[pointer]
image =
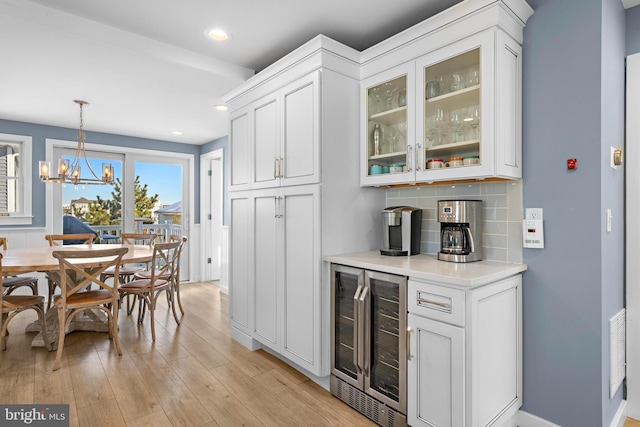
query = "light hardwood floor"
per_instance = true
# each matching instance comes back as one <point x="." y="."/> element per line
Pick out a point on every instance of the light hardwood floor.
<point x="194" y="375"/>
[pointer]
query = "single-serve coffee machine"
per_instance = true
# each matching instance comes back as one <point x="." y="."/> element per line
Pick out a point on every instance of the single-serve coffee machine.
<point x="460" y="230"/>
<point x="401" y="227"/>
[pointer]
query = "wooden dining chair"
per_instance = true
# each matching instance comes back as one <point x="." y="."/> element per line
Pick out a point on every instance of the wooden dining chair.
<point x="176" y="279"/>
<point x="147" y="289"/>
<point x="127" y="271"/>
<point x="76" y="239"/>
<point x="74" y="297"/>
<point x="10" y="283"/>
<point x="58" y="240"/>
<point x="15" y="304"/>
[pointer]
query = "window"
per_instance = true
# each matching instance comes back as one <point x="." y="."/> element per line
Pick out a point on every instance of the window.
<point x="15" y="179"/>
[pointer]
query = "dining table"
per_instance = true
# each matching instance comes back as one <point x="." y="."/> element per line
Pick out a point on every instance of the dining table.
<point x="40" y="259"/>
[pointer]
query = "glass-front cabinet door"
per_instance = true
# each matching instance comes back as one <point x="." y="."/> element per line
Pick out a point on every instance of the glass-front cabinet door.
<point x="346" y="285"/>
<point x="386" y="361"/>
<point x="455" y="111"/>
<point x="388" y="130"/>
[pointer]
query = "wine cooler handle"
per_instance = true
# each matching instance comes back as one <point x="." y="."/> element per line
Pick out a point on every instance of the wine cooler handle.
<point x="409" y="330"/>
<point x="356" y="327"/>
<point x="363" y="353"/>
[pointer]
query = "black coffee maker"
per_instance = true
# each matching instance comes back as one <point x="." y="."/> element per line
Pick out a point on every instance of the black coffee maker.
<point x="401" y="227"/>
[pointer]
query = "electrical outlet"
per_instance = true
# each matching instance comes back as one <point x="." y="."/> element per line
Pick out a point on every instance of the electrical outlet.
<point x="534" y="213"/>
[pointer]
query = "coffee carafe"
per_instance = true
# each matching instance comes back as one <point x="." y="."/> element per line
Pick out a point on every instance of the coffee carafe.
<point x="460" y="230"/>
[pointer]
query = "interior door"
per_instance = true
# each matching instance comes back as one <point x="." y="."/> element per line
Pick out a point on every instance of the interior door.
<point x="213" y="229"/>
<point x="632" y="235"/>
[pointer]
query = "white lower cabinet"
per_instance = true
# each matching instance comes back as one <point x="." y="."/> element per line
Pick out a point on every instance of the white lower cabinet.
<point x="465" y="354"/>
<point x="286" y="272"/>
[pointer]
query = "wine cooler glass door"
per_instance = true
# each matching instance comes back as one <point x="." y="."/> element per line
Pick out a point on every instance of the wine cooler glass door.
<point x="385" y="370"/>
<point x="346" y="285"/>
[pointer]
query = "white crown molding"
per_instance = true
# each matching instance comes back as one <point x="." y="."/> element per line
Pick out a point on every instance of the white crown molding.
<point x="630" y="3"/>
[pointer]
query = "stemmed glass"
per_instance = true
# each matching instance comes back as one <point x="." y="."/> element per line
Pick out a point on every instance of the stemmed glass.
<point x="374" y="93"/>
<point x="473" y="76"/>
<point x="389" y="91"/>
<point x="473" y="119"/>
<point x="457" y="121"/>
<point x="440" y="125"/>
<point x="431" y="130"/>
<point x="402" y="137"/>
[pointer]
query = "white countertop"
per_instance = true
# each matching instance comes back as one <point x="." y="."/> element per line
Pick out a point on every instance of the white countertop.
<point x="429" y="268"/>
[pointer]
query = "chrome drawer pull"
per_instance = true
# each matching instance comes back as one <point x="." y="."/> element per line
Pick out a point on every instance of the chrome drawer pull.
<point x="438" y="303"/>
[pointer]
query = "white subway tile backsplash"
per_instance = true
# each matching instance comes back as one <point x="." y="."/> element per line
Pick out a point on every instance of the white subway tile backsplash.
<point x="502" y="214"/>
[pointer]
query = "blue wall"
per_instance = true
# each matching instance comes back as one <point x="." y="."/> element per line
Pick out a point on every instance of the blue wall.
<point x="633" y="30"/>
<point x="573" y="94"/>
<point x="39" y="133"/>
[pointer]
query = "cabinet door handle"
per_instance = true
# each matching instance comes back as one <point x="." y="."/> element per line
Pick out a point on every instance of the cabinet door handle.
<point x="275" y="167"/>
<point x="280" y="168"/>
<point x="418" y="162"/>
<point x="277" y="203"/>
<point x="409" y="158"/>
<point x="363" y="356"/>
<point x="409" y="330"/>
<point x="356" y="328"/>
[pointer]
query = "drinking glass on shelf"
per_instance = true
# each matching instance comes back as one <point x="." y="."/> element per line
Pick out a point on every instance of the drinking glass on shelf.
<point x="456" y="81"/>
<point x="443" y="83"/>
<point x="374" y="94"/>
<point x="456" y="121"/>
<point x="473" y="119"/>
<point x="389" y="92"/>
<point x="440" y="126"/>
<point x="402" y="137"/>
<point x="431" y="131"/>
<point x="472" y="76"/>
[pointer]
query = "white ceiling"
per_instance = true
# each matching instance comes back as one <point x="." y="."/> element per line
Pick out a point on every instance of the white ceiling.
<point x="146" y="67"/>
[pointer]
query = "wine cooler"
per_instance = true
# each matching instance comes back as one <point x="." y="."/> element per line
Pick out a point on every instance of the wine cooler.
<point x="368" y="343"/>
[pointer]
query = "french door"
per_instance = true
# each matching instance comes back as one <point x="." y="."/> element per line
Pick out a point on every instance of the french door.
<point x="151" y="193"/>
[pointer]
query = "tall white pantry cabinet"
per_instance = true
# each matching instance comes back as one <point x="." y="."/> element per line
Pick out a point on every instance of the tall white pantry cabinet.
<point x="295" y="196"/>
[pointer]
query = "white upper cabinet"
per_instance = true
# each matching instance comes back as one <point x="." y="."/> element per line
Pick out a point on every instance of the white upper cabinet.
<point x="275" y="141"/>
<point x="240" y="150"/>
<point x="450" y="107"/>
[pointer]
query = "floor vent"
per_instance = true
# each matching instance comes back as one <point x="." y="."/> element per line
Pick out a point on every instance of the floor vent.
<point x="618" y="351"/>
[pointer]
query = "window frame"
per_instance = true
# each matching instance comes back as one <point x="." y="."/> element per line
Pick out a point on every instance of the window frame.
<point x="24" y="216"/>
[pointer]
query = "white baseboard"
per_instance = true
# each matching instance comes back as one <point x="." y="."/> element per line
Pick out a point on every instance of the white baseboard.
<point x="224" y="267"/>
<point x="245" y="339"/>
<point x="620" y="416"/>
<point x="525" y="419"/>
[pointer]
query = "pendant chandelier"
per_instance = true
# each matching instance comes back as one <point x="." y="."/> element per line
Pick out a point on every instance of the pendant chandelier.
<point x="69" y="171"/>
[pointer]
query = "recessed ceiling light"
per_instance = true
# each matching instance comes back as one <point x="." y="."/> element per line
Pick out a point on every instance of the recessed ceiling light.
<point x="221" y="107"/>
<point x="176" y="132"/>
<point x="217" y="34"/>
